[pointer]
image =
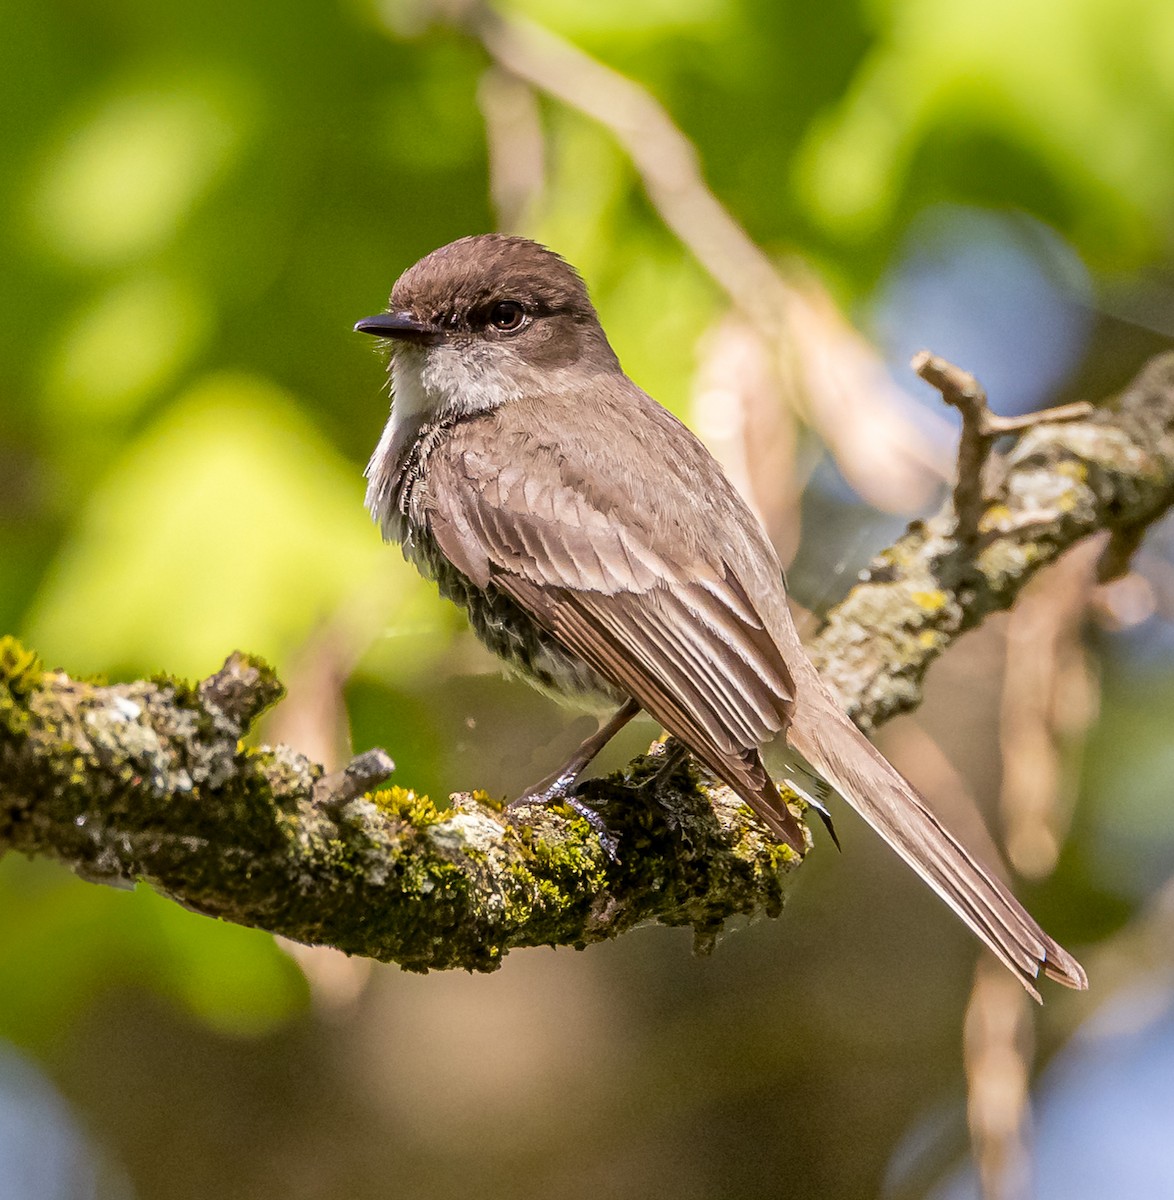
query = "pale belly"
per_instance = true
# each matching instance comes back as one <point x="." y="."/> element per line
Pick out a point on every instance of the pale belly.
<point x="505" y="628"/>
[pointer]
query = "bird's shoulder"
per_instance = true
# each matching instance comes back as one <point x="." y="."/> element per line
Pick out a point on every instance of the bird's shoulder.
<point x="617" y="532"/>
<point x="605" y="487"/>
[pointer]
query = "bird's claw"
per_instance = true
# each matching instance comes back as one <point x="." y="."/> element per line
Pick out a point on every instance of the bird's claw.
<point x="558" y="791"/>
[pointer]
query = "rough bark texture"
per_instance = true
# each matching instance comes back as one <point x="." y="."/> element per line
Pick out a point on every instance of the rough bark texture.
<point x="148" y="781"/>
<point x="1058" y="484"/>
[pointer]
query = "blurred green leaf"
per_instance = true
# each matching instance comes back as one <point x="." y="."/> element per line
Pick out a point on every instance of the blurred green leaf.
<point x="126" y="344"/>
<point x="1083" y="86"/>
<point x="227" y="524"/>
<point x="128" y="171"/>
<point x="63" y="943"/>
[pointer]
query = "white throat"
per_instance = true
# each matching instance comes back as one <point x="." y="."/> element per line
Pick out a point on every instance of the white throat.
<point x="428" y="384"/>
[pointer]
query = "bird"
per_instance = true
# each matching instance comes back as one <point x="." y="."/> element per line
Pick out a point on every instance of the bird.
<point x="600" y="551"/>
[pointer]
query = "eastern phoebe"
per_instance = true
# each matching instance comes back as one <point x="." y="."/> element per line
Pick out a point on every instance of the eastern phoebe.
<point x="598" y="548"/>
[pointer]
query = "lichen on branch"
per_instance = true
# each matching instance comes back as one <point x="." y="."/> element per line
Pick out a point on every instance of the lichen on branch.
<point x="1110" y="473"/>
<point x="150" y="781"/>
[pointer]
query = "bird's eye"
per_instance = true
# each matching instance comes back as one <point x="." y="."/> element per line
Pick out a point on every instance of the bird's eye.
<point x="507" y="316"/>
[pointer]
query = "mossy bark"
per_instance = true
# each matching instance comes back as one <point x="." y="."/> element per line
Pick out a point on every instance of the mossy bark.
<point x="150" y="781"/>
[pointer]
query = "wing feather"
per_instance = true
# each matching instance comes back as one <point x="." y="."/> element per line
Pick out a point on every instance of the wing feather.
<point x="684" y="630"/>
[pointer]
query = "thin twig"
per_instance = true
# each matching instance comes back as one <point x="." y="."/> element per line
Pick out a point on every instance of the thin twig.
<point x="981" y="428"/>
<point x="828" y="372"/>
<point x="665" y="158"/>
<point x="1118" y="553"/>
<point x="362" y="774"/>
<point x="515" y="145"/>
<point x="1048" y="701"/>
<point x="998" y="1041"/>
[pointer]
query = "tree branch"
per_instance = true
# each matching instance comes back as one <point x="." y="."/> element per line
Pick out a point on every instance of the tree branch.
<point x="148" y="781"/>
<point x="981" y="428"/>
<point x="1112" y="471"/>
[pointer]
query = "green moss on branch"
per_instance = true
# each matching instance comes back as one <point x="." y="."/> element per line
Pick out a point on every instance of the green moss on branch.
<point x="148" y="781"/>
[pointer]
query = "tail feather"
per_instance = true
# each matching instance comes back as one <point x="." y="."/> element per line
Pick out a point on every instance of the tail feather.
<point x="824" y="735"/>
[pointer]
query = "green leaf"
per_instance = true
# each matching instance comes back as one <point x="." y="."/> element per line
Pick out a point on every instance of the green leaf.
<point x="228" y="524"/>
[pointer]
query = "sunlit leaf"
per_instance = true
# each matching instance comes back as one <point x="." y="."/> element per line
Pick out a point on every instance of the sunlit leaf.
<point x="131" y="169"/>
<point x="228" y="524"/>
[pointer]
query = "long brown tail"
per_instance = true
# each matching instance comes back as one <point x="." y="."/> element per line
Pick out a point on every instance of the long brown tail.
<point x="824" y="735"/>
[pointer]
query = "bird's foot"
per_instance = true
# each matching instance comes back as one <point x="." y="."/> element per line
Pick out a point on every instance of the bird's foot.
<point x="671" y="754"/>
<point x="557" y="789"/>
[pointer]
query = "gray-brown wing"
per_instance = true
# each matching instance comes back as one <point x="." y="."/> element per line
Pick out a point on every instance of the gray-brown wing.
<point x="612" y="636"/>
<point x="682" y="637"/>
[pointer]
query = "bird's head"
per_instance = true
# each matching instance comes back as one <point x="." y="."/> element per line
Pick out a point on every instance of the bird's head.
<point x="485" y="320"/>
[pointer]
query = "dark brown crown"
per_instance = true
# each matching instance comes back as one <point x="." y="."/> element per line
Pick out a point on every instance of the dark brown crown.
<point x="474" y="271"/>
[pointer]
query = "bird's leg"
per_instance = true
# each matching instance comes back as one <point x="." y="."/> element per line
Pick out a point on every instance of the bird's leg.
<point x="554" y="787"/>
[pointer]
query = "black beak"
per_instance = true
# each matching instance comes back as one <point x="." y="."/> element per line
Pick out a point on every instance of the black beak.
<point x="399" y="325"/>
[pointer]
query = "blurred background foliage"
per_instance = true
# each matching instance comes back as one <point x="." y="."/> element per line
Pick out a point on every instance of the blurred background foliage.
<point x="199" y="201"/>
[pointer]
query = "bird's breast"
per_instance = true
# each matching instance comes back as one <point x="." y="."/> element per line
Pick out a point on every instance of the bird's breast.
<point x="497" y="620"/>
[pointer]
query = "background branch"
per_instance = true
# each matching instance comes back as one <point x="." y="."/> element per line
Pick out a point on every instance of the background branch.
<point x="148" y="780"/>
<point x="1059" y="483"/>
<point x="828" y="373"/>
